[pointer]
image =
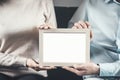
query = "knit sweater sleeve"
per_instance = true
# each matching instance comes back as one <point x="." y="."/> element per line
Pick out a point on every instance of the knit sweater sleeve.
<point x="10" y="60"/>
<point x="49" y="13"/>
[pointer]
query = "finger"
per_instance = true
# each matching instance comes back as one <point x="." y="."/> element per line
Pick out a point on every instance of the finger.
<point x="91" y="35"/>
<point x="36" y="61"/>
<point x="78" y="26"/>
<point x="36" y="68"/>
<point x="74" y="27"/>
<point x="79" y="67"/>
<point x="35" y="65"/>
<point x="52" y="67"/>
<point x="41" y="27"/>
<point x="83" y="24"/>
<point x="78" y="72"/>
<point x="45" y="27"/>
<point x="81" y="72"/>
<point x="46" y="68"/>
<point x="88" y="24"/>
<point x="49" y="26"/>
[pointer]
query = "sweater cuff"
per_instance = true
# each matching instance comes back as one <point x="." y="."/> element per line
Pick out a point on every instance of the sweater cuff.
<point x="22" y="61"/>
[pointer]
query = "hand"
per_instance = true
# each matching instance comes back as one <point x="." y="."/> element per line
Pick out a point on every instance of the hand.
<point x="84" y="69"/>
<point x="45" y="26"/>
<point x="41" y="27"/>
<point x="33" y="64"/>
<point x="82" y="25"/>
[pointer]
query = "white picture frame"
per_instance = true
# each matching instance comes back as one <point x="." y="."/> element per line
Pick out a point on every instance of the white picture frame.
<point x="64" y="47"/>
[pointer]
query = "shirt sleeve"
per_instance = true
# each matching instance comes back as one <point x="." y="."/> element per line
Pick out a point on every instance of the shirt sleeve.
<point x="50" y="13"/>
<point x="12" y="60"/>
<point x="110" y="69"/>
<point x="80" y="14"/>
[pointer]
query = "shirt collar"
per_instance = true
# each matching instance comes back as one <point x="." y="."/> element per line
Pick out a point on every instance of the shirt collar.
<point x="116" y="2"/>
<point x="107" y="1"/>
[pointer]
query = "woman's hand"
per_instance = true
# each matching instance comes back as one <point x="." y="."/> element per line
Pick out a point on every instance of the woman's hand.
<point x="82" y="25"/>
<point x="45" y="26"/>
<point x="33" y="64"/>
<point x="84" y="69"/>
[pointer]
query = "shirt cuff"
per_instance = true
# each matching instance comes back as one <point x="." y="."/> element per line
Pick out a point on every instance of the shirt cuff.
<point x="106" y="69"/>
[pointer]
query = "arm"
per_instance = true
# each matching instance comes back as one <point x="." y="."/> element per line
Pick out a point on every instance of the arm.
<point x="104" y="69"/>
<point x="10" y="60"/>
<point x="80" y="14"/>
<point x="110" y="69"/>
<point x="50" y="14"/>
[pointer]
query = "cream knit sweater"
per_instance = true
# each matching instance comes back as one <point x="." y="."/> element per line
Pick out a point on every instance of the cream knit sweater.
<point x="18" y="34"/>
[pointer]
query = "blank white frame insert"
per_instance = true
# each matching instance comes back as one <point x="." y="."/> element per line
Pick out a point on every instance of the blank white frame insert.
<point x="64" y="47"/>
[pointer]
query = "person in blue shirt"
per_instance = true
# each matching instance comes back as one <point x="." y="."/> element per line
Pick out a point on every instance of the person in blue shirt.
<point x="104" y="21"/>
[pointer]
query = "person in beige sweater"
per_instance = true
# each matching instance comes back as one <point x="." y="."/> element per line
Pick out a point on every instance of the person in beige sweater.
<point x="20" y="21"/>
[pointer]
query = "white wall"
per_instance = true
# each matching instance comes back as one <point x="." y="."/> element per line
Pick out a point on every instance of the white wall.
<point x="67" y="3"/>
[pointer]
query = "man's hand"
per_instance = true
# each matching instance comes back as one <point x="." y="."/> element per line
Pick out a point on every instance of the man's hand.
<point x="82" y="25"/>
<point x="84" y="69"/>
<point x="33" y="64"/>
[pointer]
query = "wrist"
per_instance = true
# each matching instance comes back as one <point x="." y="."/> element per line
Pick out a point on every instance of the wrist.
<point x="98" y="69"/>
<point x="28" y="62"/>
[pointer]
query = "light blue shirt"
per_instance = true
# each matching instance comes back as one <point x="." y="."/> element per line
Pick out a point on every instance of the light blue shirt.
<point x="104" y="17"/>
